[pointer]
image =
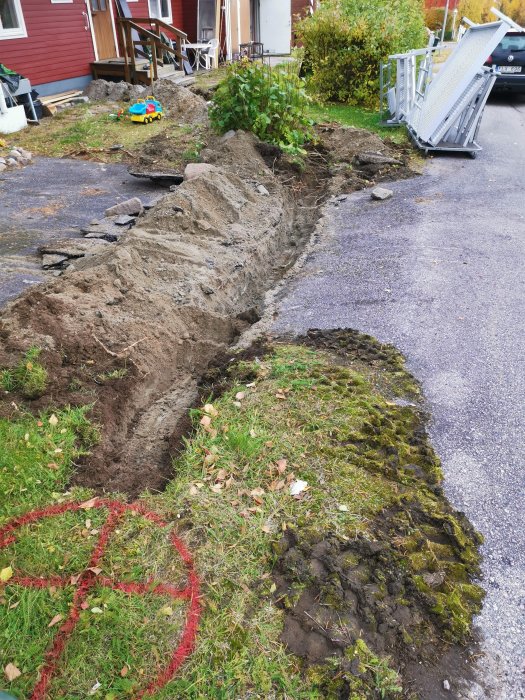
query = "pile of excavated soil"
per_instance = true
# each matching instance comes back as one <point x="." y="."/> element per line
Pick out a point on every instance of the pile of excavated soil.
<point x="179" y="103"/>
<point x="159" y="304"/>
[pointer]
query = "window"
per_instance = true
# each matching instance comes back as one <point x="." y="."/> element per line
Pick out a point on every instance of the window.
<point x="12" y="24"/>
<point x="161" y="9"/>
<point x="98" y="6"/>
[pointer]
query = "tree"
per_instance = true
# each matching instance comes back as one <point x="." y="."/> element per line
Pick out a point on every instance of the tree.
<point x="515" y="9"/>
<point x="477" y="10"/>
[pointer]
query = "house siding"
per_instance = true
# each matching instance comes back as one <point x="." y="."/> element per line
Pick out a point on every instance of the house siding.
<point x="188" y="13"/>
<point x="57" y="46"/>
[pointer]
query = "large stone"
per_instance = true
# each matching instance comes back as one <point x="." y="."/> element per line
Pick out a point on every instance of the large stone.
<point x="370" y="158"/>
<point x="381" y="193"/>
<point x="194" y="170"/>
<point x="131" y="207"/>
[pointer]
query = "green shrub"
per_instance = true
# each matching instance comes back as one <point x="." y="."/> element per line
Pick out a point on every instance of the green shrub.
<point x="29" y="377"/>
<point x="346" y="40"/>
<point x="271" y="103"/>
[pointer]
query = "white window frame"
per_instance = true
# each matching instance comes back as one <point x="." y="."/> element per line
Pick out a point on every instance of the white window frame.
<point x="19" y="32"/>
<point x="61" y="2"/>
<point x="169" y="18"/>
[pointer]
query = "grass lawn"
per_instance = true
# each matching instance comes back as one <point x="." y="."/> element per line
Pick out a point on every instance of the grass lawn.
<point x="295" y="420"/>
<point x="88" y="131"/>
<point x="359" y="117"/>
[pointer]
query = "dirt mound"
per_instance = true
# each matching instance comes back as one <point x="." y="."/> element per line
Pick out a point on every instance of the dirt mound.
<point x="180" y="103"/>
<point x="157" y="305"/>
<point x="105" y="90"/>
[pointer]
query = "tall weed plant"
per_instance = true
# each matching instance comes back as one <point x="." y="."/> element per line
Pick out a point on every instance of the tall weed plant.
<point x="270" y="102"/>
<point x="346" y="40"/>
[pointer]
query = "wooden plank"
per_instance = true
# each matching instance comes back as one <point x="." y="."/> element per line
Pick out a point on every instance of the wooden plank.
<point x="60" y="97"/>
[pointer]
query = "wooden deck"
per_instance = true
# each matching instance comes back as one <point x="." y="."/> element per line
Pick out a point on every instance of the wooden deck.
<point x="114" y="69"/>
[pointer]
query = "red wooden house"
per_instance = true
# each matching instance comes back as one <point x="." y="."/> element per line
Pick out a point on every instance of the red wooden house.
<point x="53" y="42"/>
<point x="60" y="44"/>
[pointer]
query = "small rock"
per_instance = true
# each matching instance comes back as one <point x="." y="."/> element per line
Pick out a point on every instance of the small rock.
<point x="131" y="207"/>
<point x="446" y="685"/>
<point x="227" y="136"/>
<point x="207" y="290"/>
<point x="2" y="161"/>
<point x="25" y="154"/>
<point x="12" y="163"/>
<point x="3" y="167"/>
<point x="57" y="273"/>
<point x="341" y="198"/>
<point x="116" y="147"/>
<point x="261" y="189"/>
<point x="14" y="153"/>
<point x="370" y="158"/>
<point x="124" y="220"/>
<point x="381" y="193"/>
<point x="194" y="170"/>
<point x="203" y="225"/>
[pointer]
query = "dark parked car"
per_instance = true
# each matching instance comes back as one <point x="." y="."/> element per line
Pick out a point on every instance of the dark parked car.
<point x="509" y="57"/>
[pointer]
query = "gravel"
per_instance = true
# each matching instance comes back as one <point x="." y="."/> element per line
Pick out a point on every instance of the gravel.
<point x="438" y="270"/>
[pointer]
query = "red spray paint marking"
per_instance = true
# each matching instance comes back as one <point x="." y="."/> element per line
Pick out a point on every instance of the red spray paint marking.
<point x="88" y="579"/>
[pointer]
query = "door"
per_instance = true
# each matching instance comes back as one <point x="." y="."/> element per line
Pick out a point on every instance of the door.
<point x="275" y="25"/>
<point x="102" y="19"/>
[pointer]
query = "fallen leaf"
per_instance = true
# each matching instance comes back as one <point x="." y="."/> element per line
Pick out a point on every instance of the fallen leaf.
<point x="63" y="431"/>
<point x="254" y="493"/>
<point x="56" y="619"/>
<point x="6" y="574"/>
<point x="281" y="465"/>
<point x="29" y="366"/>
<point x="53" y="420"/>
<point x="221" y="475"/>
<point x="88" y="523"/>
<point x="277" y="485"/>
<point x="211" y="410"/>
<point x="210" y="459"/>
<point x="250" y="385"/>
<point x="12" y="672"/>
<point x="253" y="433"/>
<point x="268" y="444"/>
<point x="237" y="404"/>
<point x="84" y="605"/>
<point x="74" y="579"/>
<point x="297" y="487"/>
<point x="26" y="437"/>
<point x="267" y="529"/>
<point x="280" y="395"/>
<point x="273" y="588"/>
<point x="89" y="504"/>
<point x="240" y="395"/>
<point x="166" y="610"/>
<point x="52" y="465"/>
<point x="193" y="490"/>
<point x="58" y="450"/>
<point x="95" y="569"/>
<point x="14" y="605"/>
<point x="343" y="508"/>
<point x="97" y="611"/>
<point x="205" y="421"/>
<point x="124" y="671"/>
<point x="39" y="423"/>
<point x="216" y="488"/>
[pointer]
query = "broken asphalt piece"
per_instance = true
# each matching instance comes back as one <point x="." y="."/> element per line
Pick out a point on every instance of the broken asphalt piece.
<point x="124" y="220"/>
<point x="72" y="247"/>
<point x="131" y="207"/>
<point x="194" y="170"/>
<point x="49" y="261"/>
<point x="381" y="193"/>
<point x="160" y="177"/>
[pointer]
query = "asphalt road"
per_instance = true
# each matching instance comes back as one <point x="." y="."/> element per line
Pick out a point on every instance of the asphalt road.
<point x="52" y="198"/>
<point x="439" y="271"/>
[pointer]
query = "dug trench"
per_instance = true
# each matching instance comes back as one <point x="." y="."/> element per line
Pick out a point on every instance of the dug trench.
<point x="131" y="330"/>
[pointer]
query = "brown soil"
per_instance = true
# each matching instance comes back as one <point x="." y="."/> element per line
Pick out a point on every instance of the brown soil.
<point x="168" y="297"/>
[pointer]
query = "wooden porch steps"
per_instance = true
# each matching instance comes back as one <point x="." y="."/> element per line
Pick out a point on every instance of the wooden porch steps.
<point x="114" y="69"/>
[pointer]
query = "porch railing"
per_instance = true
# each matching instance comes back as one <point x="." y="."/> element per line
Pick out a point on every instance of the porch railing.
<point x="149" y="43"/>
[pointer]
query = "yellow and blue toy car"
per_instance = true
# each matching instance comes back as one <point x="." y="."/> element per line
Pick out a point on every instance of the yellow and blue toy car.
<point x="145" y="111"/>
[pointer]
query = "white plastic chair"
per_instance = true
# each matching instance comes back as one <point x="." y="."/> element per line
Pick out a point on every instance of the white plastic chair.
<point x="210" y="57"/>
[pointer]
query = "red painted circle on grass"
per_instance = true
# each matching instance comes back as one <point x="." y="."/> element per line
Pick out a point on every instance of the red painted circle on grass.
<point x="87" y="579"/>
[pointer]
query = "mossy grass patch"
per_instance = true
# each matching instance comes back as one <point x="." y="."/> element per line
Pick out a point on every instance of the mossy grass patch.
<point x="310" y="498"/>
